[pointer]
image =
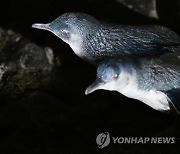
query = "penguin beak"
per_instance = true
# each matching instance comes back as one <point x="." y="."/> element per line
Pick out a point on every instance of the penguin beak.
<point x="94" y="86"/>
<point x="41" y="26"/>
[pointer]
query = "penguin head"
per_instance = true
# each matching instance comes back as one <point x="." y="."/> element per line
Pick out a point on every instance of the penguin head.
<point x="111" y="75"/>
<point x="70" y="27"/>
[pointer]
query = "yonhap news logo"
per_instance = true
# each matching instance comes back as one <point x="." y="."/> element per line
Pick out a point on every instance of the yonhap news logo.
<point x="104" y="139"/>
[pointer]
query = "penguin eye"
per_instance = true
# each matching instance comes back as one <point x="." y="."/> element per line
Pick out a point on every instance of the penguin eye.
<point x="64" y="31"/>
<point x="116" y="76"/>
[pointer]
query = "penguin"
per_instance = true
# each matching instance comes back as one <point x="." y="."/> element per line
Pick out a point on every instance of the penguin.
<point x="94" y="40"/>
<point x="153" y="81"/>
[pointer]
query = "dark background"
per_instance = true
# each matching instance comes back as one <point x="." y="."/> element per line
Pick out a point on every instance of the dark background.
<point x="58" y="117"/>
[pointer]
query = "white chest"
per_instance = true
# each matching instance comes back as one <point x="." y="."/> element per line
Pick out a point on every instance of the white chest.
<point x="76" y="45"/>
<point x="153" y="98"/>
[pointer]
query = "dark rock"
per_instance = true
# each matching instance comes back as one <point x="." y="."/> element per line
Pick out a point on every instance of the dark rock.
<point x="41" y="123"/>
<point x="22" y="64"/>
<point x="145" y="7"/>
<point x="17" y="53"/>
<point x="36" y="120"/>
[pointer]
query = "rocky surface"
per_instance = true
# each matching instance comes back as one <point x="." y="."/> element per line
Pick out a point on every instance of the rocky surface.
<point x="18" y="53"/>
<point x="43" y="108"/>
<point x="22" y="64"/>
<point x="146" y="7"/>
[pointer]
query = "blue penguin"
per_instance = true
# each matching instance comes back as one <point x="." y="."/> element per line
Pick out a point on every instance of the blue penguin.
<point x="94" y="40"/>
<point x="153" y="81"/>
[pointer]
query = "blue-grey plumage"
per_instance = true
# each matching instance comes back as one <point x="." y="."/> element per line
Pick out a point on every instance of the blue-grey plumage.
<point x="149" y="80"/>
<point x="94" y="40"/>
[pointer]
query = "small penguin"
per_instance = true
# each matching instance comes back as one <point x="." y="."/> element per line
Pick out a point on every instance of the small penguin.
<point x="153" y="81"/>
<point x="93" y="40"/>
